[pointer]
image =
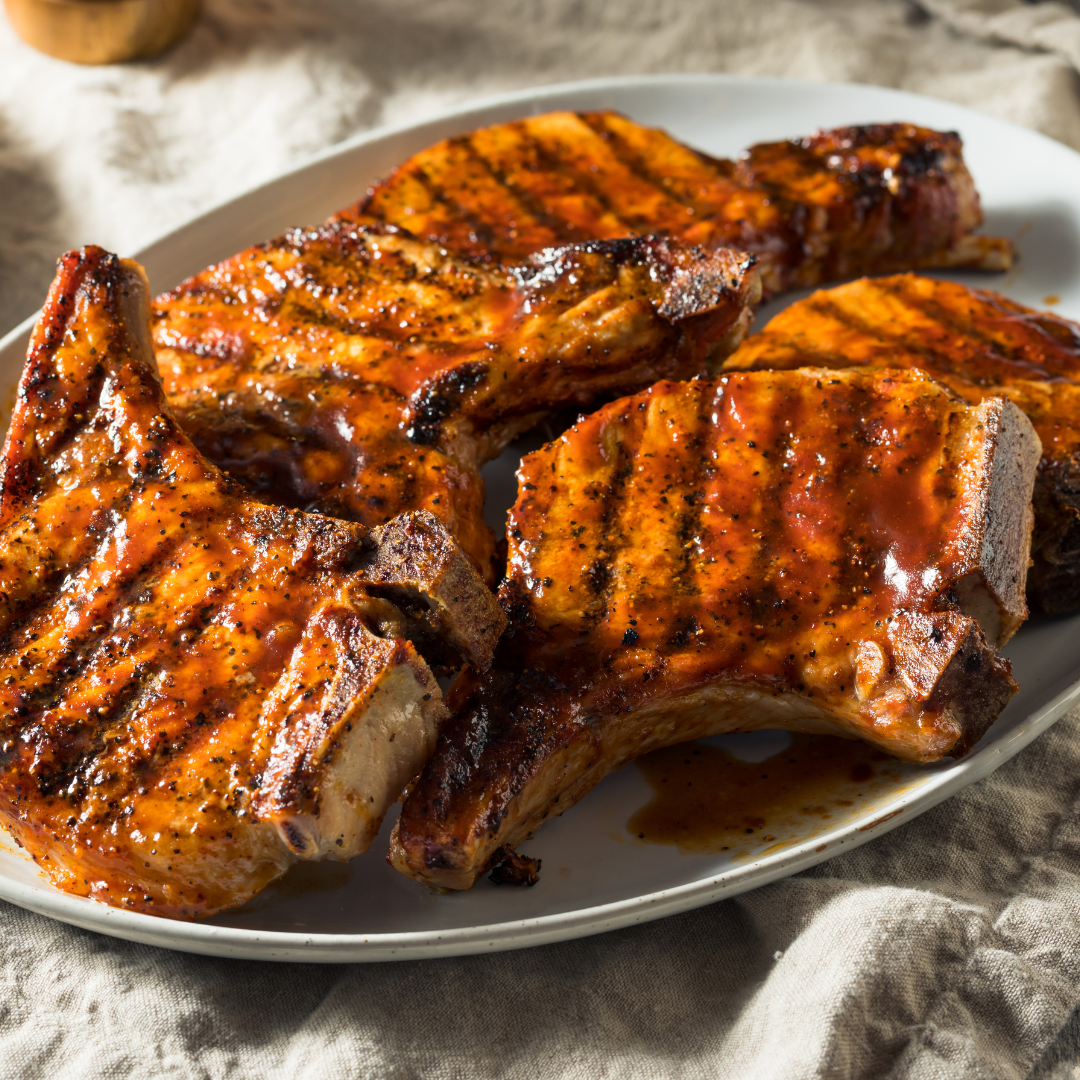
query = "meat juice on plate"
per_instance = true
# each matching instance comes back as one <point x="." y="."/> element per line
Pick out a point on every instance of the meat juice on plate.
<point x="706" y="800"/>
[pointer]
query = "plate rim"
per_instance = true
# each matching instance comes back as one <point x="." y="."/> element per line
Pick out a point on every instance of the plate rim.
<point x="235" y="942"/>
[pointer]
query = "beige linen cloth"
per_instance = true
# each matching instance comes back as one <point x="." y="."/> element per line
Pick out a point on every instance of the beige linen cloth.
<point x="948" y="948"/>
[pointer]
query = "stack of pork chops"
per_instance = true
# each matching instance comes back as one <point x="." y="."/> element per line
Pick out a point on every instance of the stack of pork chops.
<point x="242" y="525"/>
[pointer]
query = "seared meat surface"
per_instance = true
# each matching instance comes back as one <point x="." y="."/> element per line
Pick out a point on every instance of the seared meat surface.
<point x="356" y="371"/>
<point x="872" y="199"/>
<point x="195" y="689"/>
<point x="360" y="372"/>
<point x="823" y="551"/>
<point x="979" y="343"/>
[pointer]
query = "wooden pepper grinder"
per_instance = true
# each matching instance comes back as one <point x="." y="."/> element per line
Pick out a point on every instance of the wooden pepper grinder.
<point x="101" y="31"/>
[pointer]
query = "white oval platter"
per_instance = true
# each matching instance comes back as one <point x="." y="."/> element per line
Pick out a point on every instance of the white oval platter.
<point x="596" y="876"/>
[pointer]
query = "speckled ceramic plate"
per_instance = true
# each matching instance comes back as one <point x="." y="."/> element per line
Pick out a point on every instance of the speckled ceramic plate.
<point x="598" y="875"/>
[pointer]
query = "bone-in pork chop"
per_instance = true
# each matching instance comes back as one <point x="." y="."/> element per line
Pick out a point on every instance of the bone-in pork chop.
<point x="195" y="689"/>
<point x="360" y="372"/>
<point x="857" y="200"/>
<point x="822" y="551"/>
<point x="980" y="344"/>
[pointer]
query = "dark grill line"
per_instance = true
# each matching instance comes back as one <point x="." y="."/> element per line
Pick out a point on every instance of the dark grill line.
<point x="875" y="331"/>
<point x="690" y="520"/>
<point x="83" y="760"/>
<point x="530" y="202"/>
<point x="319" y="316"/>
<point x="507" y="195"/>
<point x="611" y="514"/>
<point x="124" y="593"/>
<point x="630" y="160"/>
<point x="811" y="354"/>
<point x="73" y="427"/>
<point x="584" y="183"/>
<point x="944" y="317"/>
<point x="458" y="212"/>
<point x="49" y="590"/>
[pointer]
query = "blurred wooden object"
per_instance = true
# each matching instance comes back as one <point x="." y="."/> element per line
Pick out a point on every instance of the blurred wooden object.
<point x="101" y="31"/>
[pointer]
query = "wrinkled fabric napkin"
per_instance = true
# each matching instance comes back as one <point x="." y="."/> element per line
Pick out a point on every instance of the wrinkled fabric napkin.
<point x="948" y="948"/>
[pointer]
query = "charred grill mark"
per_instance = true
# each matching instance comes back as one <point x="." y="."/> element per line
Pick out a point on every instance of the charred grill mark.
<point x="905" y="340"/>
<point x="378" y="332"/>
<point x="604" y="582"/>
<point x="687" y="628"/>
<point x="518" y="207"/>
<point x="762" y="605"/>
<point x="631" y="161"/>
<point x="549" y="160"/>
<point x="480" y="232"/>
<point x="81" y="747"/>
<point x="316" y="292"/>
<point x="439" y="399"/>
<point x="631" y="208"/>
<point x="51" y="587"/>
<point x="690" y="517"/>
<point x="827" y="307"/>
<point x="19" y="484"/>
<point x="689" y="475"/>
<point x="26" y="610"/>
<point x="565" y="231"/>
<point x="964" y="329"/>
<point x="69" y="667"/>
<point x="598" y="576"/>
<point x="918" y="158"/>
<point x="803" y="350"/>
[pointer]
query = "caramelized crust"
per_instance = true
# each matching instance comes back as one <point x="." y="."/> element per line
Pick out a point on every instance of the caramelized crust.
<point x="871" y="199"/>
<point x="815" y="550"/>
<point x="360" y="372"/>
<point x="980" y="344"/>
<point x="195" y="688"/>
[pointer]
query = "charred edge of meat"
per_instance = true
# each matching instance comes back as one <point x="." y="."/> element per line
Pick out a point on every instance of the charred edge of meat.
<point x="975" y="688"/>
<point x="509" y="867"/>
<point x="413" y="561"/>
<point x="695" y="280"/>
<point x="502" y="727"/>
<point x="919" y="158"/>
<point x="39" y="385"/>
<point x="946" y="661"/>
<point x="1053" y="581"/>
<point x="440" y="399"/>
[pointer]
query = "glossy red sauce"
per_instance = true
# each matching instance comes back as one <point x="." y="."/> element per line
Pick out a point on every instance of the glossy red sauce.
<point x="787" y="518"/>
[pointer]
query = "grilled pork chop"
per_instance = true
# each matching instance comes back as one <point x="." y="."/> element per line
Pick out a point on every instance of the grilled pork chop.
<point x="822" y="551"/>
<point x="872" y="199"/>
<point x="195" y="689"/>
<point x="360" y="372"/>
<point x="979" y="343"/>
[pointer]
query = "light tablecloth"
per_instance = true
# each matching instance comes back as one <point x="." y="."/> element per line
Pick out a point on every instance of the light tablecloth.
<point x="948" y="948"/>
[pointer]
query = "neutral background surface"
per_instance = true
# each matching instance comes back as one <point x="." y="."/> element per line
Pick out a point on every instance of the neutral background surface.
<point x="948" y="948"/>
